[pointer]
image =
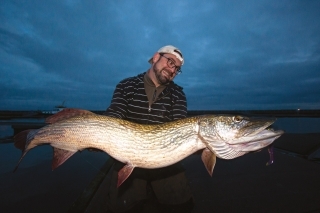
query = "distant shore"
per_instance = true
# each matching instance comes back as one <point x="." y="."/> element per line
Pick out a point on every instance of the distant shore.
<point x="273" y="113"/>
<point x="9" y="114"/>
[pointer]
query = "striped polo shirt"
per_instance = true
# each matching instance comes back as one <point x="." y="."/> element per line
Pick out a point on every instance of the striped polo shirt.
<point x="130" y="102"/>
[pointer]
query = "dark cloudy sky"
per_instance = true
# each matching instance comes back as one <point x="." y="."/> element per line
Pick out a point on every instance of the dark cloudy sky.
<point x="245" y="54"/>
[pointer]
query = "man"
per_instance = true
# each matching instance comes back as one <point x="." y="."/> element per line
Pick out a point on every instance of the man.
<point x="151" y="98"/>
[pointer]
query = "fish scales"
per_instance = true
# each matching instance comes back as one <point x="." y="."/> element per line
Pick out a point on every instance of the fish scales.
<point x="124" y="140"/>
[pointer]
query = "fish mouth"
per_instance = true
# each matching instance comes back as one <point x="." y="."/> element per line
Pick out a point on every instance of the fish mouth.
<point x="254" y="126"/>
<point x="256" y="142"/>
<point x="256" y="131"/>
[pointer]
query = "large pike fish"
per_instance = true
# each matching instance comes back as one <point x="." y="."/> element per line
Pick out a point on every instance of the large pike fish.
<point x="149" y="146"/>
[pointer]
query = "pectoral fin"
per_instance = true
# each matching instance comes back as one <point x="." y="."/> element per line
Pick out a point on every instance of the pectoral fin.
<point x="209" y="160"/>
<point x="60" y="156"/>
<point x="124" y="173"/>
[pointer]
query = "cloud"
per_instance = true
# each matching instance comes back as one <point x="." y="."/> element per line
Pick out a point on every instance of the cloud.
<point x="238" y="54"/>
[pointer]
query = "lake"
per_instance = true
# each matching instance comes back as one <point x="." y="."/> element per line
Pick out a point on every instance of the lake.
<point x="289" y="185"/>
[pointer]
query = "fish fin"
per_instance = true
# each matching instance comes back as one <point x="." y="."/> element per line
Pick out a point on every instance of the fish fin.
<point x="21" y="142"/>
<point x="20" y="139"/>
<point x="209" y="159"/>
<point x="60" y="156"/>
<point x="66" y="113"/>
<point x="23" y="154"/>
<point x="124" y="173"/>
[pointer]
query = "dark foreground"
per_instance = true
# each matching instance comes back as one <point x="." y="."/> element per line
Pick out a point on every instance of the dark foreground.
<point x="245" y="184"/>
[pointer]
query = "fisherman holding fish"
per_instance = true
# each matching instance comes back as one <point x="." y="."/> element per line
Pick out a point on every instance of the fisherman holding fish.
<point x="151" y="98"/>
<point x="147" y="128"/>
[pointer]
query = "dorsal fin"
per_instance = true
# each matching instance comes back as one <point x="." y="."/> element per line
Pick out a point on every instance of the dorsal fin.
<point x="60" y="156"/>
<point x="67" y="113"/>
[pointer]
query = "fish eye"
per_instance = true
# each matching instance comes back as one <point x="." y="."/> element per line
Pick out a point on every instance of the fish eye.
<point x="237" y="118"/>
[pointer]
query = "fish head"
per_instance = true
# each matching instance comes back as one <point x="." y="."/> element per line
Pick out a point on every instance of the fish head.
<point x="233" y="127"/>
<point x="236" y="132"/>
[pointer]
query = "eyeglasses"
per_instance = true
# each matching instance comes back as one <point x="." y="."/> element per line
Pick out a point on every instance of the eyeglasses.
<point x="171" y="64"/>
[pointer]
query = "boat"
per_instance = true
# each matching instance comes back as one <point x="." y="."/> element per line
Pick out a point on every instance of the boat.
<point x="56" y="109"/>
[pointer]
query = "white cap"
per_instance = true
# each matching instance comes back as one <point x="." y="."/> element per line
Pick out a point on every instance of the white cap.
<point x="172" y="50"/>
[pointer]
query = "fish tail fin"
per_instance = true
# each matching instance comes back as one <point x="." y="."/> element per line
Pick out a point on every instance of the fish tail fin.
<point x="22" y="141"/>
<point x="21" y="138"/>
<point x="23" y="154"/>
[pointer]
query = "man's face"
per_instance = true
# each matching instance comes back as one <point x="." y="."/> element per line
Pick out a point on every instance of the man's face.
<point x="165" y="68"/>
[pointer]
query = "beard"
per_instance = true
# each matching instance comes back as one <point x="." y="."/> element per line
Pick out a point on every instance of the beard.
<point x="162" y="78"/>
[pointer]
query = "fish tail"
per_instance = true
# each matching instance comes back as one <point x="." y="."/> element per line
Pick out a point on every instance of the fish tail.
<point x="22" y="140"/>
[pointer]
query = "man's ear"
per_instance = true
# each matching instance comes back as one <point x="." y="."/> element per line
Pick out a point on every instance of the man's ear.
<point x="155" y="57"/>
